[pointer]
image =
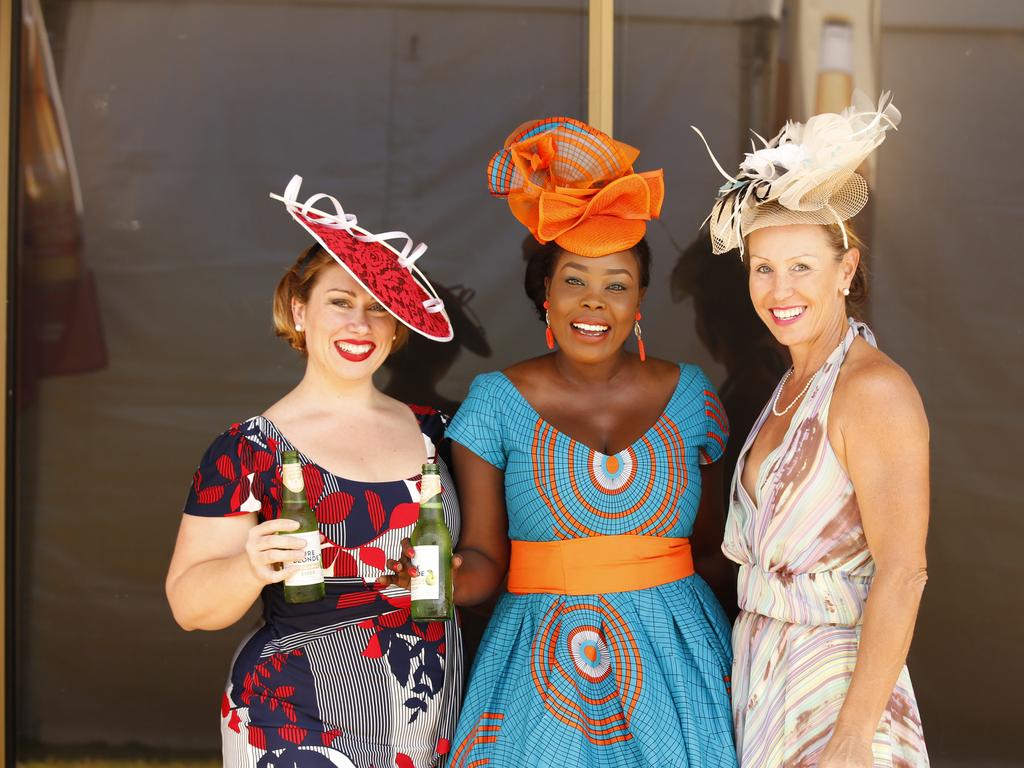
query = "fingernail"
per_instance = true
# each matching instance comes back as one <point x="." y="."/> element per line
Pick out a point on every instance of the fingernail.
<point x="410" y="552"/>
<point x="414" y="572"/>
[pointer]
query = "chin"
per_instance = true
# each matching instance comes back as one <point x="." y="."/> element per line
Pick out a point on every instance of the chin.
<point x="591" y="353"/>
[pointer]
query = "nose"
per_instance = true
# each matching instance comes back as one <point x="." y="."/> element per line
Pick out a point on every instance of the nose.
<point x="358" y="321"/>
<point x="781" y="285"/>
<point x="592" y="300"/>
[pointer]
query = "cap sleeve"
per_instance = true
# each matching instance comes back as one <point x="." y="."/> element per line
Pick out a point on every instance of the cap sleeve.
<point x="716" y="421"/>
<point x="433" y="424"/>
<point x="478" y="424"/>
<point x="235" y="476"/>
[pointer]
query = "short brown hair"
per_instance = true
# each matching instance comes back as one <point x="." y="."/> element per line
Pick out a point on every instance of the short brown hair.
<point x="297" y="284"/>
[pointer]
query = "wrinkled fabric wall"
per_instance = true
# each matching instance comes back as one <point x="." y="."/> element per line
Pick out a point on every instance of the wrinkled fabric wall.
<point x="185" y="115"/>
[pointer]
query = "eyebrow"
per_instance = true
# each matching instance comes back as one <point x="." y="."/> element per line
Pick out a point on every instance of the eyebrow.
<point x="581" y="268"/>
<point x="341" y="290"/>
<point x="788" y="258"/>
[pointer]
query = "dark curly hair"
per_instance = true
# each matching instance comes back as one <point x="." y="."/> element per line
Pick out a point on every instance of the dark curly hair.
<point x="540" y="264"/>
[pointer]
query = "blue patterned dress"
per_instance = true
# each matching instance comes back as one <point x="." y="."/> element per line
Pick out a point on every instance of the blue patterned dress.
<point x="629" y="679"/>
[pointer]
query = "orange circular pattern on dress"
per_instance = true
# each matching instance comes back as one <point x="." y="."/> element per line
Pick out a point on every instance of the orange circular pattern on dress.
<point x="601" y="715"/>
<point x="580" y="503"/>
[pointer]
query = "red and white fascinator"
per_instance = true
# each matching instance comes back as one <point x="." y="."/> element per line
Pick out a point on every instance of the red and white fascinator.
<point x="389" y="274"/>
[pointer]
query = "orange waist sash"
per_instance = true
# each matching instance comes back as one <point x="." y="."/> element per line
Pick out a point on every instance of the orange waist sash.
<point x="597" y="564"/>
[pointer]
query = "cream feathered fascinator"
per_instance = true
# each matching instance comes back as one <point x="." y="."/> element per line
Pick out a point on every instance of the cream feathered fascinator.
<point x="807" y="174"/>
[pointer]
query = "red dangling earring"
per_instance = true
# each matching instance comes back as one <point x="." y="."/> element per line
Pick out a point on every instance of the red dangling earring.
<point x="639" y="337"/>
<point x="548" y="335"/>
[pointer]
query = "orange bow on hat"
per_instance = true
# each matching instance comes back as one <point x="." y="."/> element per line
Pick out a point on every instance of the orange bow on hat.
<point x="569" y="183"/>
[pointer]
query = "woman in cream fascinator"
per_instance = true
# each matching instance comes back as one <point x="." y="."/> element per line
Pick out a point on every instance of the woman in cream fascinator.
<point x="829" y="502"/>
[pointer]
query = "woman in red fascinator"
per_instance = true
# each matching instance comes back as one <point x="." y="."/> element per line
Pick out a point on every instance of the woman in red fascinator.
<point x="348" y="679"/>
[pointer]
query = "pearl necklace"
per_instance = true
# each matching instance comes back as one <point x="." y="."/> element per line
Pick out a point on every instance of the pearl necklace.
<point x="796" y="399"/>
<point x="803" y="391"/>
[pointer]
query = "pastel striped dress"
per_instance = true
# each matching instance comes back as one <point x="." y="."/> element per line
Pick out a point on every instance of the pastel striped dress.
<point x="805" y="573"/>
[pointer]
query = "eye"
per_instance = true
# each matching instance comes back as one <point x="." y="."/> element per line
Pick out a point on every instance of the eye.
<point x="617" y="287"/>
<point x="800" y="267"/>
<point x="573" y="281"/>
<point x="378" y="308"/>
<point x="764" y="269"/>
<point x="341" y="302"/>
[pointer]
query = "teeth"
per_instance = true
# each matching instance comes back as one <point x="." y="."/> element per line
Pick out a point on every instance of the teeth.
<point x="788" y="314"/>
<point x="354" y="349"/>
<point x="590" y="328"/>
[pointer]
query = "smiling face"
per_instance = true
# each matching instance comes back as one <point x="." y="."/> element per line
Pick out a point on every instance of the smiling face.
<point x="796" y="281"/>
<point x="348" y="333"/>
<point x="594" y="302"/>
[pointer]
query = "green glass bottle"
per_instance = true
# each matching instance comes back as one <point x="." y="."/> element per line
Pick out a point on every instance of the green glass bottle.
<point x="432" y="586"/>
<point x="305" y="580"/>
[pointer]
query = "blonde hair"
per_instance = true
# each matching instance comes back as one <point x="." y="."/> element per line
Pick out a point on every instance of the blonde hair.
<point x="859" y="284"/>
<point x="296" y="285"/>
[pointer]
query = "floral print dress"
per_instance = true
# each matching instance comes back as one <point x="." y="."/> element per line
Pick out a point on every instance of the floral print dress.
<point x="349" y="680"/>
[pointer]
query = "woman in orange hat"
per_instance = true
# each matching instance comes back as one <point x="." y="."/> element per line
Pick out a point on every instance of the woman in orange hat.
<point x="582" y="471"/>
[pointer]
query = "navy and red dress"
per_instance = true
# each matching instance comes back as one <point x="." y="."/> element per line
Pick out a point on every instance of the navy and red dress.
<point x="349" y="680"/>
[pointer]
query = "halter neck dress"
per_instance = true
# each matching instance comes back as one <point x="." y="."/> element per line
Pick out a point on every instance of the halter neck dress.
<point x="805" y="573"/>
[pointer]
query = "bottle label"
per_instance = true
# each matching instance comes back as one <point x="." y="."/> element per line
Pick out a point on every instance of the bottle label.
<point x="427" y="585"/>
<point x="430" y="486"/>
<point x="291" y="476"/>
<point x="307" y="570"/>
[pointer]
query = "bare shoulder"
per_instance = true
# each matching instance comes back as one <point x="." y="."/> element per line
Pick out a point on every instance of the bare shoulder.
<point x="873" y="390"/>
<point x="660" y="370"/>
<point x="526" y="372"/>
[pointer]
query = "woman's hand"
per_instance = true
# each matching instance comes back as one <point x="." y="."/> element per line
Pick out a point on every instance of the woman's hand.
<point x="843" y="752"/>
<point x="267" y="550"/>
<point x="403" y="569"/>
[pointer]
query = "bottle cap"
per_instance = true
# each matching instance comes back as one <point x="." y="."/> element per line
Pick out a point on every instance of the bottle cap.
<point x="289" y="457"/>
<point x="430" y="469"/>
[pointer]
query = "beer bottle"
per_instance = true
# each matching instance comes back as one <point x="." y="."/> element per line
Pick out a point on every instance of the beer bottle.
<point x="305" y="580"/>
<point x="432" y="586"/>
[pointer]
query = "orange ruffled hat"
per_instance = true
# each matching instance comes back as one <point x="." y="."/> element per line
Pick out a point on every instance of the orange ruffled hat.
<point x="569" y="183"/>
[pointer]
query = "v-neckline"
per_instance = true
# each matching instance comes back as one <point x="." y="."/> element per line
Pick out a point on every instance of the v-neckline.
<point x="755" y="500"/>
<point x="574" y="441"/>
<point x="759" y="479"/>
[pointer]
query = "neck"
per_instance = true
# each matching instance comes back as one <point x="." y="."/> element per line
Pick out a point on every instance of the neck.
<point x="588" y="374"/>
<point x="330" y="393"/>
<point x="809" y="357"/>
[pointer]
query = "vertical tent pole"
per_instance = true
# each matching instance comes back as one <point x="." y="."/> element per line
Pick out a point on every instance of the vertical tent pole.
<point x="600" y="73"/>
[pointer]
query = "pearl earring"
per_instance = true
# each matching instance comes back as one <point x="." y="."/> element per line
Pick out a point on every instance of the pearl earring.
<point x="298" y="328"/>
<point x="846" y="291"/>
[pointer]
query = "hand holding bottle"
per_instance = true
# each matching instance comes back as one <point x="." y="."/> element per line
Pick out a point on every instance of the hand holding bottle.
<point x="267" y="549"/>
<point x="403" y="569"/>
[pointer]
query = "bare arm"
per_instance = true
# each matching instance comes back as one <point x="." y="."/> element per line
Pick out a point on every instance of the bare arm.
<point x="220" y="565"/>
<point x="483" y="542"/>
<point x="886" y="454"/>
<point x="706" y="540"/>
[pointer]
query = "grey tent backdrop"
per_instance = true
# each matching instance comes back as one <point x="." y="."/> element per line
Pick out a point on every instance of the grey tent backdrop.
<point x="185" y="115"/>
